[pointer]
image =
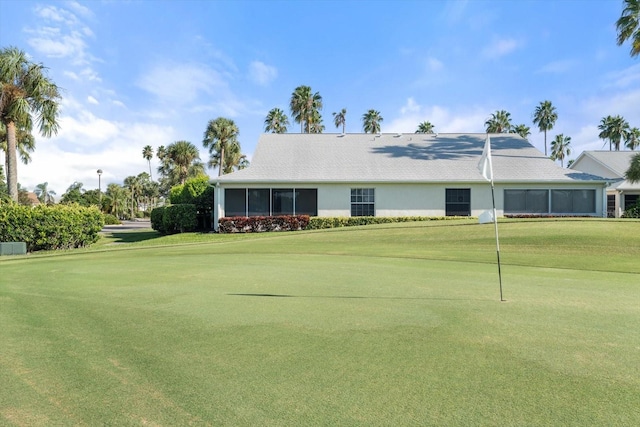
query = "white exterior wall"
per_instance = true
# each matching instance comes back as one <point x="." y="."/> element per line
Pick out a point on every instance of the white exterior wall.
<point x="334" y="200"/>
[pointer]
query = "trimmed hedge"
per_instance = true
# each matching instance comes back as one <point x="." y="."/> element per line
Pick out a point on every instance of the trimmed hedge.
<point x="174" y="218"/>
<point x="49" y="227"/>
<point x="259" y="224"/>
<point x="632" y="212"/>
<point x="317" y="223"/>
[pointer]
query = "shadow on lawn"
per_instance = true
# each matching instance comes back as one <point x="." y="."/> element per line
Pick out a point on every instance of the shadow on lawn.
<point x="132" y="236"/>
<point x="356" y="297"/>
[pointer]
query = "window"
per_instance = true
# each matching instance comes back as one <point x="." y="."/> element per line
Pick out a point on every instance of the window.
<point x="573" y="201"/>
<point x="259" y="201"/>
<point x="363" y="202"/>
<point x="282" y="201"/>
<point x="611" y="206"/>
<point x="306" y="200"/>
<point x="630" y="200"/>
<point x="458" y="202"/>
<point x="526" y="201"/>
<point x="235" y="202"/>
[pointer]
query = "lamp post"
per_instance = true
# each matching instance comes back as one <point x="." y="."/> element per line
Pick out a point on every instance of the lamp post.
<point x="100" y="188"/>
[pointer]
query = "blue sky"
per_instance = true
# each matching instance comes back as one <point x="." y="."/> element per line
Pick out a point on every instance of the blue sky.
<point x="153" y="72"/>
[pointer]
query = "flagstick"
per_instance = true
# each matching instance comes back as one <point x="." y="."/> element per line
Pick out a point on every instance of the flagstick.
<point x="495" y="224"/>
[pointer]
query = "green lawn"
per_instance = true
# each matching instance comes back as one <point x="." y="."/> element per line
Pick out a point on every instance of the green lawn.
<point x="397" y="324"/>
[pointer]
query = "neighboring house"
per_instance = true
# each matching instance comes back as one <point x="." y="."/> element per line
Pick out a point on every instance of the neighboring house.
<point x="621" y="194"/>
<point x="336" y="175"/>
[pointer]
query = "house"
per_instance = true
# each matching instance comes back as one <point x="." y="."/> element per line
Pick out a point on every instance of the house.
<point x="402" y="175"/>
<point x="621" y="194"/>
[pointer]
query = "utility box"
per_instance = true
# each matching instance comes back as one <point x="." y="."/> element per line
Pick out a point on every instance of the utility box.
<point x="13" y="248"/>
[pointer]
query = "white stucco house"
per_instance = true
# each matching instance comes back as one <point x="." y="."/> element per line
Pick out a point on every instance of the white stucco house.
<point x="402" y="175"/>
<point x="612" y="165"/>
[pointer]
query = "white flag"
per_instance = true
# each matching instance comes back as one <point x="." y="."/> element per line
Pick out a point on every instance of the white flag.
<point x="485" y="217"/>
<point x="484" y="165"/>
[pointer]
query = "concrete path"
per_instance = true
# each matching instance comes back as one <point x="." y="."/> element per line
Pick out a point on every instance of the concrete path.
<point x="127" y="226"/>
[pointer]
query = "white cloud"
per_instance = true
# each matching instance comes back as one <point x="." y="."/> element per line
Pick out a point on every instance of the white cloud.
<point x="624" y="78"/>
<point x="118" y="103"/>
<point x="92" y="100"/>
<point x="181" y="83"/>
<point x="500" y="47"/>
<point x="444" y="121"/>
<point x="261" y="73"/>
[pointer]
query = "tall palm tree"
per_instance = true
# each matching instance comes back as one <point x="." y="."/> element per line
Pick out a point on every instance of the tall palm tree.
<point x="25" y="143"/>
<point x="371" y="121"/>
<point x="134" y="185"/>
<point x="25" y="91"/>
<point x="545" y="117"/>
<point x="116" y="200"/>
<point x="183" y="162"/>
<point x="628" y="26"/>
<point x="147" y="154"/>
<point x="340" y="119"/>
<point x="233" y="158"/>
<point x="632" y="139"/>
<point x="315" y="123"/>
<point x="276" y="121"/>
<point x="560" y="148"/>
<point x="220" y="134"/>
<point x="305" y="107"/>
<point x="522" y="130"/>
<point x="44" y="194"/>
<point x="633" y="173"/>
<point x="499" y="122"/>
<point x="425" y="127"/>
<point x="614" y="129"/>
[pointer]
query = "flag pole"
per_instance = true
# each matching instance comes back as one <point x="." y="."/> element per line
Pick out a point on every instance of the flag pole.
<point x="495" y="225"/>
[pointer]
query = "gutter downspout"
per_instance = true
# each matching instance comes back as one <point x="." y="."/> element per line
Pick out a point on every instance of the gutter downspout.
<point x="216" y="210"/>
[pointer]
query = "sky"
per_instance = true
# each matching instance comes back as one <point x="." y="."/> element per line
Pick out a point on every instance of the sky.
<point x="136" y="73"/>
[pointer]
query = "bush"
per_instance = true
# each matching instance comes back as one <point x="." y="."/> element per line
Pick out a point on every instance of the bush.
<point x="110" y="219"/>
<point x="198" y="192"/>
<point x="317" y="223"/>
<point x="258" y="224"/>
<point x="48" y="227"/>
<point x="632" y="212"/>
<point x="174" y="218"/>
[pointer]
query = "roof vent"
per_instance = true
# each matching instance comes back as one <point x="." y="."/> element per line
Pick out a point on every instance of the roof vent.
<point x="398" y="135"/>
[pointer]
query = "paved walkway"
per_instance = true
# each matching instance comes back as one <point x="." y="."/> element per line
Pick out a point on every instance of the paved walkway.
<point x="127" y="226"/>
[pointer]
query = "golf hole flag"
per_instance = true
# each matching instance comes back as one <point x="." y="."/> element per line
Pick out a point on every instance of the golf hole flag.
<point x="485" y="166"/>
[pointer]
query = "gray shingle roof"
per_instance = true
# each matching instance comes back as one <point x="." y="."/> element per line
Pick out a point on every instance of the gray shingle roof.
<point x="397" y="158"/>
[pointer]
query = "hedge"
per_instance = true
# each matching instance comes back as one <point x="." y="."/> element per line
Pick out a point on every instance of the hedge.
<point x="174" y="218"/>
<point x="632" y="212"/>
<point x="258" y="224"/>
<point x="49" y="227"/>
<point x="317" y="223"/>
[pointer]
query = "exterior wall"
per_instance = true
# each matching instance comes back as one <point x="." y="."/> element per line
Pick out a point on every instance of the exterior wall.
<point x="588" y="165"/>
<point x="334" y="200"/>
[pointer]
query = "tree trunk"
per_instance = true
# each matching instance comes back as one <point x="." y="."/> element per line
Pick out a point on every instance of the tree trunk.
<point x="12" y="171"/>
<point x="221" y="166"/>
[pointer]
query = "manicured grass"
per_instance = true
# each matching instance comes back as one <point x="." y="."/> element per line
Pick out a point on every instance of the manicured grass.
<point x="384" y="325"/>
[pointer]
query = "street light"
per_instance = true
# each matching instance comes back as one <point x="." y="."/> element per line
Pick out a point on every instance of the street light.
<point x="100" y="187"/>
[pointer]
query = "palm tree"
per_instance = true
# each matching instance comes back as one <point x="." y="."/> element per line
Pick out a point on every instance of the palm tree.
<point x="340" y="119"/>
<point x="499" y="122"/>
<point x="183" y="161"/>
<point x="25" y="143"/>
<point x="44" y="194"/>
<point x="425" y="127"/>
<point x="147" y="154"/>
<point x="545" y="117"/>
<point x="25" y="91"/>
<point x="632" y="139"/>
<point x="628" y="26"/>
<point x="233" y="159"/>
<point x="522" y="130"/>
<point x="371" y="121"/>
<point x="220" y="134"/>
<point x="560" y="148"/>
<point x="305" y="107"/>
<point x="315" y="123"/>
<point x="633" y="173"/>
<point x="614" y="129"/>
<point x="276" y="121"/>
<point x="116" y="200"/>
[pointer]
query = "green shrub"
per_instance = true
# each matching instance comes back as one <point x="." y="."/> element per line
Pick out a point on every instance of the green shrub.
<point x="258" y="224"/>
<point x="48" y="227"/>
<point x="174" y="218"/>
<point x="196" y="191"/>
<point x="110" y="219"/>
<point x="632" y="212"/>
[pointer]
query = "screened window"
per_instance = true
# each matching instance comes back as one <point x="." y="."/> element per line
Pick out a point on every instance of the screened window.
<point x="458" y="202"/>
<point x="630" y="200"/>
<point x="282" y="201"/>
<point x="306" y="200"/>
<point x="259" y="201"/>
<point x="526" y="201"/>
<point x="363" y="202"/>
<point x="235" y="202"/>
<point x="573" y="201"/>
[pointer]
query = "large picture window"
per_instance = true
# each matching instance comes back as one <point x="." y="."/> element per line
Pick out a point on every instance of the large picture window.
<point x="267" y="201"/>
<point x="282" y="201"/>
<point x="259" y="202"/>
<point x="526" y="201"/>
<point x="363" y="202"/>
<point x="573" y="201"/>
<point x="458" y="202"/>
<point x="306" y="201"/>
